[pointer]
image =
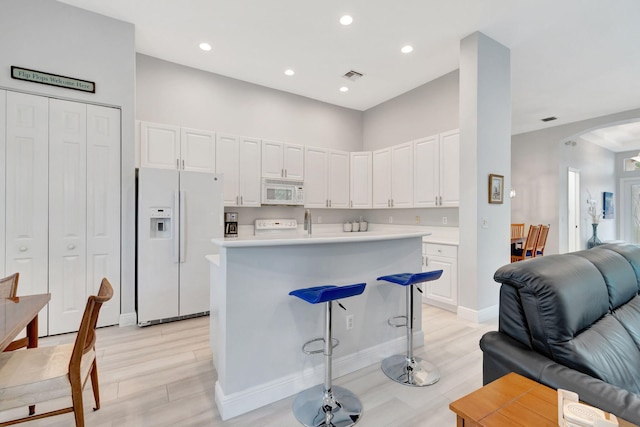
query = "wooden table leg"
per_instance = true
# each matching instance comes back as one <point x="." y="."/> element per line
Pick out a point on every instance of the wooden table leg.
<point x="32" y="336"/>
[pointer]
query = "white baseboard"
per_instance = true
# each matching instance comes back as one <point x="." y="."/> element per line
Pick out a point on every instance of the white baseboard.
<point x="128" y="319"/>
<point x="478" y="316"/>
<point x="260" y="395"/>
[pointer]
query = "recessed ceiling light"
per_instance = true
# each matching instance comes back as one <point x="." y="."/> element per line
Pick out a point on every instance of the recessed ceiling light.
<point x="289" y="72"/>
<point x="344" y="89"/>
<point x="346" y="20"/>
<point x="205" y="46"/>
<point x="549" y="119"/>
<point x="407" y="49"/>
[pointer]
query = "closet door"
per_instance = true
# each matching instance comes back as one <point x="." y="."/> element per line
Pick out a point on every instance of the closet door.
<point x="3" y="157"/>
<point x="67" y="214"/>
<point x="27" y="167"/>
<point x="103" y="207"/>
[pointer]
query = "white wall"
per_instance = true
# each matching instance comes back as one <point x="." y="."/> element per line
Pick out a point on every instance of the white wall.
<point x="424" y="111"/>
<point x="60" y="39"/>
<point x="540" y="175"/>
<point x="174" y="94"/>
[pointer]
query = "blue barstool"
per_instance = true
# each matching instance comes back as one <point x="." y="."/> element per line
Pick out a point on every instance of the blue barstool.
<point x="324" y="405"/>
<point x="407" y="369"/>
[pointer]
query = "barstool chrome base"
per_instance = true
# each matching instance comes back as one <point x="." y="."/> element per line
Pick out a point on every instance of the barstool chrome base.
<point x="309" y="407"/>
<point x="414" y="372"/>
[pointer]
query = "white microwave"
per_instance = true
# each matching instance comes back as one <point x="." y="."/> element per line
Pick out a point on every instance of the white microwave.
<point x="282" y="192"/>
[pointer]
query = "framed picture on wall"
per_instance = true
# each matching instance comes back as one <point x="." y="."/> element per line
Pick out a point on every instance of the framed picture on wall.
<point x="496" y="188"/>
<point x="607" y="206"/>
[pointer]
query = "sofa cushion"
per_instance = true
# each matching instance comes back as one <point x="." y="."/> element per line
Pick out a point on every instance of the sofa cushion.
<point x="631" y="253"/>
<point x="629" y="317"/>
<point x="561" y="295"/>
<point x="617" y="273"/>
<point x="512" y="320"/>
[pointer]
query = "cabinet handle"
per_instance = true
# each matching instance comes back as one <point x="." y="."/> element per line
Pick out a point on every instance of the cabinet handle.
<point x="241" y="200"/>
<point x="177" y="163"/>
<point x="388" y="203"/>
<point x="183" y="165"/>
<point x="329" y="203"/>
<point x="236" y="200"/>
<point x="436" y="201"/>
<point x="285" y="173"/>
<point x="71" y="247"/>
<point x="391" y="202"/>
<point x="351" y="204"/>
<point x="23" y="249"/>
<point x="426" y="261"/>
<point x="440" y="200"/>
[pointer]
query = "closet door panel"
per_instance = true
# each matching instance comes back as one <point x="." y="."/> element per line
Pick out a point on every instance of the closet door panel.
<point x="3" y="157"/>
<point x="67" y="214"/>
<point x="103" y="206"/>
<point x="27" y="160"/>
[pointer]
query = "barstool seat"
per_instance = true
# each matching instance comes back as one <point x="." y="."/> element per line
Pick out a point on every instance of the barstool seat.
<point x="405" y="368"/>
<point x="325" y="405"/>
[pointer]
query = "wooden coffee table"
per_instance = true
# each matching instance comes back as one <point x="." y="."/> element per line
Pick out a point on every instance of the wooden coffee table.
<point x="508" y="401"/>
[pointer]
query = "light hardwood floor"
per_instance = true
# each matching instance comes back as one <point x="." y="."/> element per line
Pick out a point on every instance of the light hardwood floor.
<point x="163" y="376"/>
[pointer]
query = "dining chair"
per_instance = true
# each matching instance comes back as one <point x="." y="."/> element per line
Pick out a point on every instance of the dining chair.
<point x="529" y="248"/>
<point x="542" y="240"/>
<point x="9" y="289"/>
<point x="517" y="230"/>
<point x="40" y="374"/>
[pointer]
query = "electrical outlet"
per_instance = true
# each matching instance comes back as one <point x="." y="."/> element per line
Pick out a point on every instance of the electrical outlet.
<point x="485" y="223"/>
<point x="319" y="220"/>
<point x="417" y="220"/>
<point x="349" y="321"/>
<point x="444" y="220"/>
<point x="390" y="220"/>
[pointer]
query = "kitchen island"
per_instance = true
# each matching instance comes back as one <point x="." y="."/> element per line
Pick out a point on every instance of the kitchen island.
<point x="257" y="329"/>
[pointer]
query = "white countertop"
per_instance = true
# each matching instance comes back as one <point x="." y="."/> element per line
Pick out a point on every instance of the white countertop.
<point x="317" y="238"/>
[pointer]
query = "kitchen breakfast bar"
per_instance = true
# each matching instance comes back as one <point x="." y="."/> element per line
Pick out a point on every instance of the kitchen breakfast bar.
<point x="257" y="329"/>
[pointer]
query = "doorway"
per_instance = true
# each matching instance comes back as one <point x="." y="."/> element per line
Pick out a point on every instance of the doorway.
<point x="573" y="205"/>
<point x="630" y="210"/>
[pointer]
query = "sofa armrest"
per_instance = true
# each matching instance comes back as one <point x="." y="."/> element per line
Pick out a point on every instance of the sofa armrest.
<point x="502" y="354"/>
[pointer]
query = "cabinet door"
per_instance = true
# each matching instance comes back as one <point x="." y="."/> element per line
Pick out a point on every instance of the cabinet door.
<point x="402" y="176"/>
<point x="250" y="180"/>
<point x="444" y="291"/>
<point x="228" y="164"/>
<point x="67" y="214"/>
<point x="103" y="206"/>
<point x="315" y="182"/>
<point x="338" y="179"/>
<point x="198" y="150"/>
<point x="272" y="159"/>
<point x="450" y="168"/>
<point x="293" y="161"/>
<point x="382" y="178"/>
<point x="159" y="146"/>
<point x="27" y="197"/>
<point x="426" y="173"/>
<point x="360" y="182"/>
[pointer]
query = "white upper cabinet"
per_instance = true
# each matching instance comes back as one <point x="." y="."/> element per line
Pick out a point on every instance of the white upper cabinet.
<point x="171" y="147"/>
<point x="326" y="178"/>
<point x="360" y="180"/>
<point x="437" y="170"/>
<point x="238" y="159"/>
<point x="393" y="177"/>
<point x="280" y="160"/>
<point x="3" y="145"/>
<point x="197" y="150"/>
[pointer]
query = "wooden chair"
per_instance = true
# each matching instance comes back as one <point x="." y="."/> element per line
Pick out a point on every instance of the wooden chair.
<point x="9" y="289"/>
<point x="542" y="240"/>
<point x="517" y="231"/>
<point x="36" y="375"/>
<point x="529" y="248"/>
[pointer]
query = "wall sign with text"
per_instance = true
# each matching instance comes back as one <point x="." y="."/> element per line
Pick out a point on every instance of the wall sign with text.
<point x="52" y="79"/>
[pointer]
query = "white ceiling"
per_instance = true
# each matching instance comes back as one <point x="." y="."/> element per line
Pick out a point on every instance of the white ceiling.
<point x="623" y="137"/>
<point x="573" y="59"/>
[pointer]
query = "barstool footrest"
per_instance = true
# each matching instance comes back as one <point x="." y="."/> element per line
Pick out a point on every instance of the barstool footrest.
<point x="390" y="321"/>
<point x="310" y="407"/>
<point x="414" y="372"/>
<point x="334" y="343"/>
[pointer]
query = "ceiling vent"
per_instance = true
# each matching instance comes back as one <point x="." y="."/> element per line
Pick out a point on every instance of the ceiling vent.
<point x="548" y="119"/>
<point x="352" y="75"/>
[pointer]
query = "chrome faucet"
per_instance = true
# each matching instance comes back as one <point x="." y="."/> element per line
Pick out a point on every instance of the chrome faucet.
<point x="307" y="221"/>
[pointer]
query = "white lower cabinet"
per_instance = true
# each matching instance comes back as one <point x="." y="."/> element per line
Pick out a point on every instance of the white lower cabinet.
<point x="443" y="292"/>
<point x="62" y="210"/>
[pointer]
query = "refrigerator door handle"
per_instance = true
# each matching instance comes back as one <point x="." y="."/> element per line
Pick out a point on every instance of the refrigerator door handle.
<point x="183" y="223"/>
<point x="176" y="229"/>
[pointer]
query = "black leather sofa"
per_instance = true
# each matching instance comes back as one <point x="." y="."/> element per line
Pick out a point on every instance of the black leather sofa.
<point x="572" y="321"/>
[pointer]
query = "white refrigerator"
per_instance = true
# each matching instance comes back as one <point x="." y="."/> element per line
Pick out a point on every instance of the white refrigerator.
<point x="179" y="212"/>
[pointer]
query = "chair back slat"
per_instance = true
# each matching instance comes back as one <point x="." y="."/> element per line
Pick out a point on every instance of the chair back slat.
<point x="517" y="231"/>
<point x="532" y="238"/>
<point x="9" y="286"/>
<point x="542" y="239"/>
